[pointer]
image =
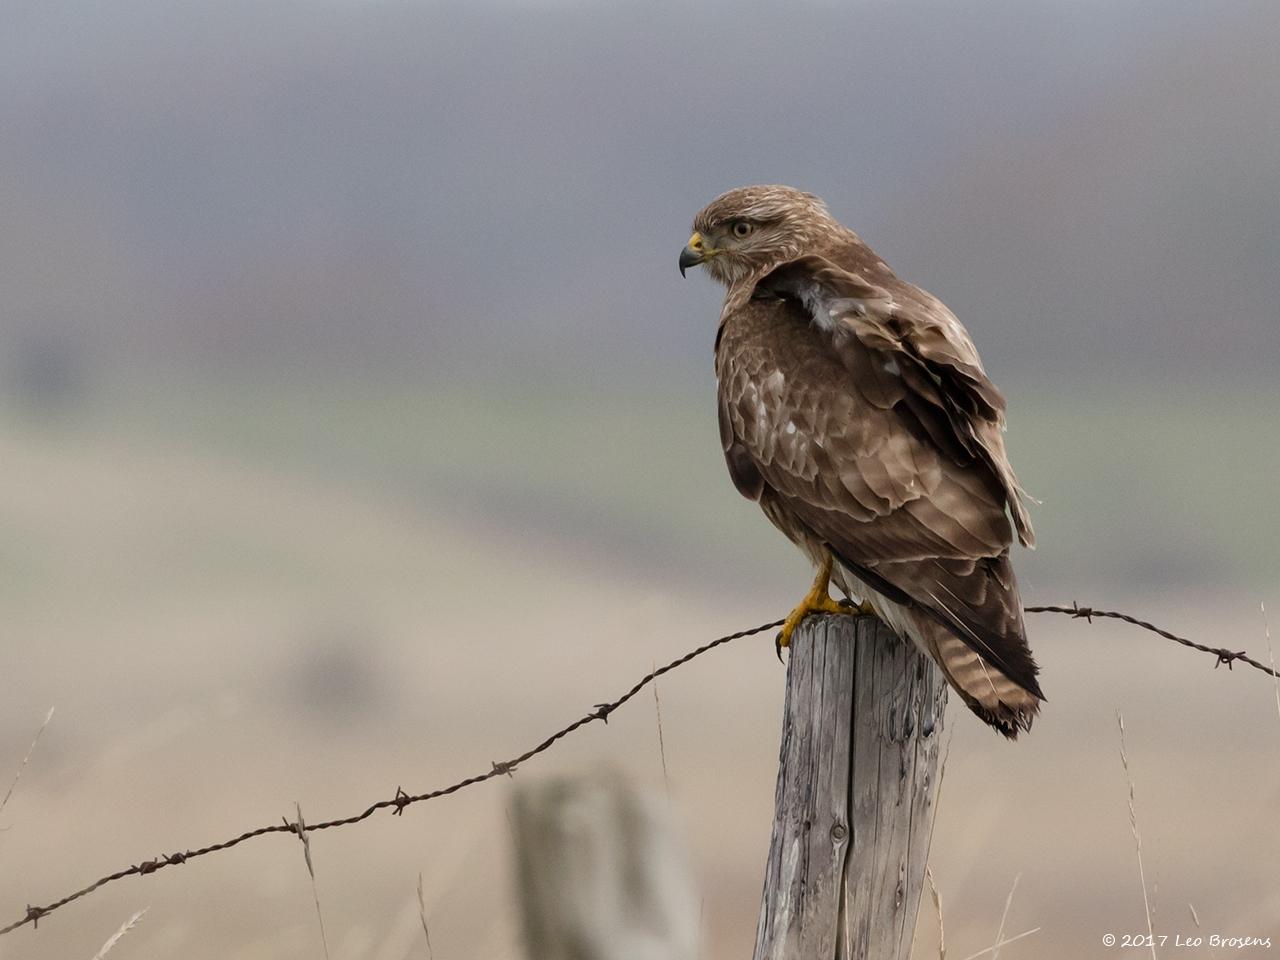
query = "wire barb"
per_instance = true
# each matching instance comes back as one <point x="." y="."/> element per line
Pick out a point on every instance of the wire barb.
<point x="401" y="799"/>
<point x="1223" y="655"/>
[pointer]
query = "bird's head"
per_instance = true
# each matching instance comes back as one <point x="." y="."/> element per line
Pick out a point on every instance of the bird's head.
<point x="746" y="232"/>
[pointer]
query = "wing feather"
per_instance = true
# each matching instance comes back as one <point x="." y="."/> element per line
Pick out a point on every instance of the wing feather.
<point x="915" y="354"/>
<point x="865" y="411"/>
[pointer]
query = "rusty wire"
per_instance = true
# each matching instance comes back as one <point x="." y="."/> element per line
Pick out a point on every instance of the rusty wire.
<point x="401" y="799"/>
<point x="1224" y="655"/>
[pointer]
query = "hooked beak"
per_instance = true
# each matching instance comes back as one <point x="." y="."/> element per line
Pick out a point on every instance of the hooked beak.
<point x="694" y="253"/>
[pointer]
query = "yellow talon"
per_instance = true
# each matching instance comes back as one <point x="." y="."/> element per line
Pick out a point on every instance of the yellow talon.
<point x="817" y="600"/>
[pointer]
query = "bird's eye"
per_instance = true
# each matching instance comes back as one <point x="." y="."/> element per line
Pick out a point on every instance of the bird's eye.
<point x="741" y="228"/>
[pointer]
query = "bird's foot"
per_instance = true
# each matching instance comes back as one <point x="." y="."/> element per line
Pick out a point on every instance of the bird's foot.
<point x="815" y="601"/>
<point x="862" y="609"/>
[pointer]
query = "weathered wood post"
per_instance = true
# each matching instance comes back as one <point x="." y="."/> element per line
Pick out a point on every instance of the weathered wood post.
<point x="602" y="873"/>
<point x="854" y="803"/>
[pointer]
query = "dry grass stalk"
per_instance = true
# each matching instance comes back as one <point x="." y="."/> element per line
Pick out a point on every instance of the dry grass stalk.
<point x="27" y="759"/>
<point x="1137" y="837"/>
<point x="1008" y="902"/>
<point x="1271" y="654"/>
<point x="1002" y="943"/>
<point x="662" y="747"/>
<point x="937" y="900"/>
<point x="422" y="914"/>
<point x="1196" y="918"/>
<point x="124" y="927"/>
<point x="942" y="771"/>
<point x="928" y="871"/>
<point x="301" y="827"/>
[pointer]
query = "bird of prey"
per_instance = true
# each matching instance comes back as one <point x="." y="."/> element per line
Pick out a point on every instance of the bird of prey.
<point x="854" y="409"/>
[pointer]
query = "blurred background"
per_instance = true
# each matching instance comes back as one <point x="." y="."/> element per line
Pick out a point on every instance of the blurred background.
<point x="358" y="429"/>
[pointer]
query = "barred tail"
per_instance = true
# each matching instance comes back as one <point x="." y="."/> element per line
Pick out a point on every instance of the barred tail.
<point x="996" y="699"/>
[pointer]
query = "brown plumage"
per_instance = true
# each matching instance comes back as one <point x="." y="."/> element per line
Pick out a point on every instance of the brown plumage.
<point x="854" y="409"/>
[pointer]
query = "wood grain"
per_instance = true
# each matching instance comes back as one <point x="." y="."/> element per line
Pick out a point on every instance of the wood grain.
<point x="855" y="795"/>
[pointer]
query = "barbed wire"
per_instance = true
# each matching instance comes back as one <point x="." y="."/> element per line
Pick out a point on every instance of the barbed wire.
<point x="397" y="803"/>
<point x="601" y="711"/>
<point x="1225" y="656"/>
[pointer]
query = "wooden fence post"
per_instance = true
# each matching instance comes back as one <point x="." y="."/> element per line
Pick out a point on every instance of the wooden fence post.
<point x="602" y="873"/>
<point x="854" y="802"/>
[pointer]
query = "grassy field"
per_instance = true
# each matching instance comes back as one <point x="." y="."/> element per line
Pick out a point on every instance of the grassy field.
<point x="238" y="599"/>
<point x="1155" y="485"/>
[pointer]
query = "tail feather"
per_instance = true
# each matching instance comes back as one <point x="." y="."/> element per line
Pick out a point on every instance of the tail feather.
<point x="996" y="699"/>
<point x="966" y="615"/>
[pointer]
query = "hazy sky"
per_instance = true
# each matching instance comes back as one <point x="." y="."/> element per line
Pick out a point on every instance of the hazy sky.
<point x="1089" y="185"/>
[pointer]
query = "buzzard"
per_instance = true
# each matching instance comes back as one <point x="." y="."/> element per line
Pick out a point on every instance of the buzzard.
<point x="854" y="409"/>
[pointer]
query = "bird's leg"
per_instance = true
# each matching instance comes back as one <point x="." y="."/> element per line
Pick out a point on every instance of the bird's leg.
<point x="817" y="600"/>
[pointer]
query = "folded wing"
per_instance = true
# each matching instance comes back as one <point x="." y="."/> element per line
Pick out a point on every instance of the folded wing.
<point x="877" y="427"/>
